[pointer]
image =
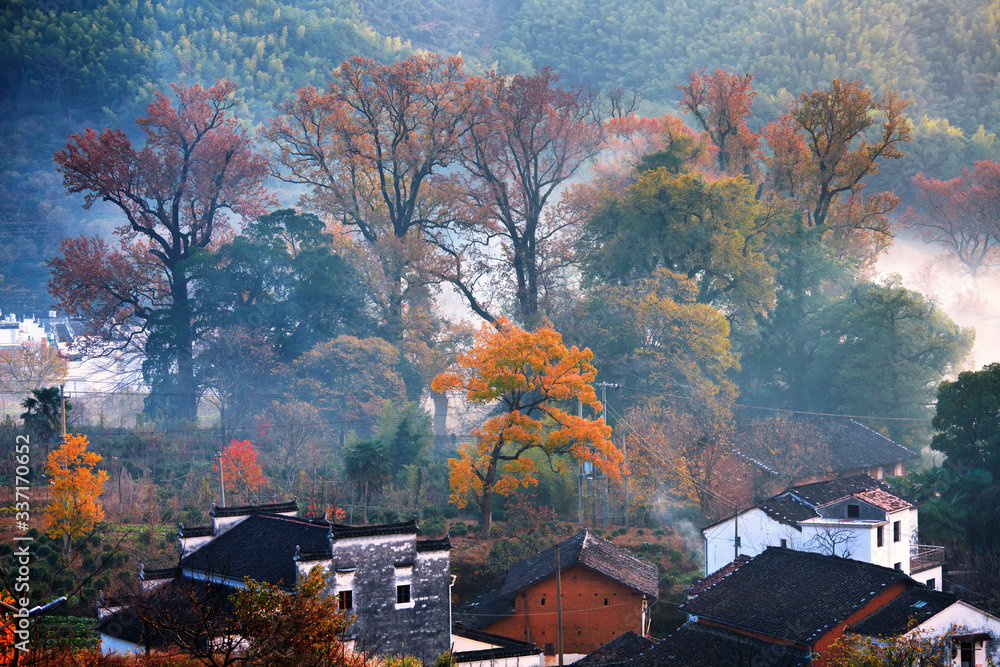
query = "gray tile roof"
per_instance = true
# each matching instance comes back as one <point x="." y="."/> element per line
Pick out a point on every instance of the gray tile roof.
<point x="903" y="613"/>
<point x="853" y="445"/>
<point x="822" y="493"/>
<point x="794" y="595"/>
<point x="261" y="547"/>
<point x="483" y="610"/>
<point x="586" y="549"/>
<point x="248" y="510"/>
<point x="699" y="645"/>
<point x="619" y="652"/>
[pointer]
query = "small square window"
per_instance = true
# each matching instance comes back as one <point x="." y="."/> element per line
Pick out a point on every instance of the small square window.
<point x="932" y="584"/>
<point x="543" y="602"/>
<point x="853" y="511"/>
<point x="898" y="566"/>
<point x="403" y="594"/>
<point x="784" y="544"/>
<point x="345" y="600"/>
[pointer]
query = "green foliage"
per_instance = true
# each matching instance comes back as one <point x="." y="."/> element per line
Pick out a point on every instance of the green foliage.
<point x="880" y="350"/>
<point x="967" y="420"/>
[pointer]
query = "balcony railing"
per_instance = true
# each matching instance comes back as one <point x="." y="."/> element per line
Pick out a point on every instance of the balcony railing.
<point x="927" y="553"/>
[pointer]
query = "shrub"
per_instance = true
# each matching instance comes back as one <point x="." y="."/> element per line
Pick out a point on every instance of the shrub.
<point x="432" y="512"/>
<point x="458" y="529"/>
<point x="433" y="527"/>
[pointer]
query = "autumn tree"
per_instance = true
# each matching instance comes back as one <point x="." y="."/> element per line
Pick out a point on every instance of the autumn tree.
<point x="823" y="150"/>
<point x="524" y="140"/>
<point x="367" y="148"/>
<point x="290" y="429"/>
<point x="235" y="365"/>
<point x="241" y="474"/>
<point x="706" y="230"/>
<point x="652" y="334"/>
<point x="348" y="379"/>
<point x="197" y="164"/>
<point x="282" y="628"/>
<point x="526" y="375"/>
<point x="962" y="214"/>
<point x="31" y="365"/>
<point x="720" y="102"/>
<point x="76" y="488"/>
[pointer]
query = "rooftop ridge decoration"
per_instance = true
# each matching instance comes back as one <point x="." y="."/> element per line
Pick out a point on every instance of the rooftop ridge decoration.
<point x="247" y="510"/>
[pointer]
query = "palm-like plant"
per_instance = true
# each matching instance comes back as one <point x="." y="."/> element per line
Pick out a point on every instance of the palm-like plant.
<point x="367" y="465"/>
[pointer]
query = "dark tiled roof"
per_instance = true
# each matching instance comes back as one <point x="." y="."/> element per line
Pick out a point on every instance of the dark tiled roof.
<point x="403" y="528"/>
<point x="444" y="544"/>
<point x="794" y="595"/>
<point x="612" y="561"/>
<point x="147" y="574"/>
<point x="698" y="645"/>
<point x="505" y="646"/>
<point x="619" y="651"/>
<point x="853" y="445"/>
<point x="786" y="509"/>
<point x="483" y="610"/>
<point x="248" y="510"/>
<point x="705" y="583"/>
<point x="903" y="613"/>
<point x="261" y="547"/>
<point x="830" y="491"/>
<point x="194" y="531"/>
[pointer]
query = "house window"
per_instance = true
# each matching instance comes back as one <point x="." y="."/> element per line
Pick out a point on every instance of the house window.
<point x="784" y="544"/>
<point x="345" y="600"/>
<point x="738" y="543"/>
<point x="880" y="535"/>
<point x="895" y="531"/>
<point x="932" y="584"/>
<point x="853" y="511"/>
<point x="404" y="577"/>
<point x="897" y="566"/>
<point x="605" y="602"/>
<point x="543" y="602"/>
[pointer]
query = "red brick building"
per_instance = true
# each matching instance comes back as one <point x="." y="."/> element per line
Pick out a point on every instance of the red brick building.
<point x="606" y="592"/>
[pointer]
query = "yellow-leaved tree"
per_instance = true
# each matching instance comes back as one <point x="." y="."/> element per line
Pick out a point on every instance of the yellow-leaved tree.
<point x="76" y="488"/>
<point x="527" y="373"/>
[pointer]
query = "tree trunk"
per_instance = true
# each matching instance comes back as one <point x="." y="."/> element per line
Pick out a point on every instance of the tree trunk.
<point x="486" y="512"/>
<point x="440" y="417"/>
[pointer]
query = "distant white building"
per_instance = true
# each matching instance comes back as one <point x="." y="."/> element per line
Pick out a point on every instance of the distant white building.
<point x="852" y="517"/>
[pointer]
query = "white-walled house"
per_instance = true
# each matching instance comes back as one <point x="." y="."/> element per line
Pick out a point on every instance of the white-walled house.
<point x="855" y="517"/>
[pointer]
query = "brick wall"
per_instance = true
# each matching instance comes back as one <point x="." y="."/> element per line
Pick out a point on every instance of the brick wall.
<point x="595" y="611"/>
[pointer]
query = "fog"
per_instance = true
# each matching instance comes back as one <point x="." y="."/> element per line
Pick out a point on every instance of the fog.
<point x="925" y="269"/>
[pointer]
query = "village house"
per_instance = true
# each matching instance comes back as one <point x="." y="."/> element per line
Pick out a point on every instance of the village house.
<point x="753" y="468"/>
<point x="396" y="586"/>
<point x="855" y="517"/>
<point x="606" y="592"/>
<point x="783" y="608"/>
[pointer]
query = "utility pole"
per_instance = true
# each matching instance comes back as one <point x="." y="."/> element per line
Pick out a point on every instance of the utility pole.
<point x="579" y="489"/>
<point x="222" y="482"/>
<point x="604" y="414"/>
<point x="62" y="399"/>
<point x="625" y="476"/>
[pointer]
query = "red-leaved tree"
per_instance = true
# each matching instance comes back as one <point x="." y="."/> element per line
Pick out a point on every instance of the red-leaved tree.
<point x="174" y="192"/>
<point x="720" y="102"/>
<point x="525" y="139"/>
<point x="241" y="474"/>
<point x="962" y="214"/>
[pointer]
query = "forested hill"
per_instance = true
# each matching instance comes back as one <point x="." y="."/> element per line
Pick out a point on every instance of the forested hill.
<point x="67" y="64"/>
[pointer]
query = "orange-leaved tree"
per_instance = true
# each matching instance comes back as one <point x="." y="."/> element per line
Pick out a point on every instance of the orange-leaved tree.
<point x="527" y="373"/>
<point x="76" y="488"/>
<point x="241" y="474"/>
